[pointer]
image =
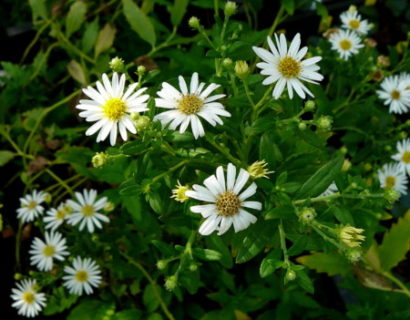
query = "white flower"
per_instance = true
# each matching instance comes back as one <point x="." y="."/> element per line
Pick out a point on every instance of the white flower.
<point x="286" y="67"/>
<point x="82" y="276"/>
<point x="55" y="217"/>
<point x="395" y="93"/>
<point x="405" y="77"/>
<point x="346" y="43"/>
<point x="111" y="107"/>
<point x="85" y="210"/>
<point x="392" y="177"/>
<point x="27" y="300"/>
<point x="226" y="202"/>
<point x="188" y="105"/>
<point x="330" y="190"/>
<point x="43" y="253"/>
<point x="351" y="19"/>
<point x="403" y="155"/>
<point x="30" y="206"/>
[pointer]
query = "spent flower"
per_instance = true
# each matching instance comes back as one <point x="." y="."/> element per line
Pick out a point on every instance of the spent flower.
<point x="350" y="236"/>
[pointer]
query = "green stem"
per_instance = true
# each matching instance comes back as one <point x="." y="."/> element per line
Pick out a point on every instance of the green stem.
<point x="164" y="307"/>
<point x="282" y="237"/>
<point x="400" y="284"/>
<point x="222" y="150"/>
<point x="18" y="239"/>
<point x="316" y="226"/>
<point x="245" y="84"/>
<point x="59" y="180"/>
<point x="35" y="39"/>
<point x="278" y="19"/>
<point x="164" y="44"/>
<point x="160" y="176"/>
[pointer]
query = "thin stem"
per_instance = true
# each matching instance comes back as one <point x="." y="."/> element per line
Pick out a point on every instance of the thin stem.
<point x="160" y="176"/>
<point x="400" y="284"/>
<point x="59" y="180"/>
<point x="222" y="150"/>
<point x="278" y="19"/>
<point x="316" y="226"/>
<point x="35" y="39"/>
<point x="216" y="8"/>
<point x="164" y="307"/>
<point x="282" y="237"/>
<point x="248" y="94"/>
<point x="164" y="44"/>
<point x="18" y="239"/>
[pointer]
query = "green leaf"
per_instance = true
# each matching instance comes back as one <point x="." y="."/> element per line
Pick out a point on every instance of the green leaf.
<point x="320" y="180"/>
<point x="39" y="9"/>
<point x="139" y="22"/>
<point x="89" y="309"/>
<point x="6" y="156"/>
<point x="150" y="299"/>
<point x="289" y="6"/>
<point x="178" y="11"/>
<point x="90" y="36"/>
<point x="206" y="254"/>
<point x="254" y="241"/>
<point x="77" y="72"/>
<point x="75" y="17"/>
<point x="129" y="314"/>
<point x="105" y="39"/>
<point x="395" y="243"/>
<point x="304" y="281"/>
<point x="59" y="301"/>
<point x="268" y="150"/>
<point x="331" y="264"/>
<point x="269" y="264"/>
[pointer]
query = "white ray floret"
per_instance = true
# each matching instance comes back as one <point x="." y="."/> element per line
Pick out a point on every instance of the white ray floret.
<point x="331" y="189"/>
<point x="391" y="176"/>
<point x="82" y="277"/>
<point x="27" y="300"/>
<point x="352" y="20"/>
<point x="86" y="210"/>
<point x="44" y="252"/>
<point x="55" y="217"/>
<point x="111" y="108"/>
<point x="403" y="155"/>
<point x="285" y="66"/>
<point x="189" y="104"/>
<point x="30" y="206"/>
<point x="226" y="203"/>
<point x="395" y="93"/>
<point x="346" y="43"/>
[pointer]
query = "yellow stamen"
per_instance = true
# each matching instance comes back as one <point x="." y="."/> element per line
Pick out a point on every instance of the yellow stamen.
<point x="31" y="205"/>
<point x="395" y="95"/>
<point x="60" y="215"/>
<point x="354" y="24"/>
<point x="228" y="204"/>
<point x="345" y="44"/>
<point x="28" y="297"/>
<point x="390" y="181"/>
<point x="289" y="67"/>
<point x="49" y="251"/>
<point x="81" y="276"/>
<point x="406" y="157"/>
<point x="87" y="210"/>
<point x="190" y="104"/>
<point x="114" y="109"/>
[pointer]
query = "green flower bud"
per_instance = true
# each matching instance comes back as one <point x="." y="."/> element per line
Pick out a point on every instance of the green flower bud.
<point x="171" y="283"/>
<point x="18" y="276"/>
<point x="346" y="165"/>
<point x="162" y="264"/>
<point x="48" y="197"/>
<point x="324" y="123"/>
<point x="353" y="254"/>
<point x="141" y="70"/>
<point x="307" y="215"/>
<point x="117" y="65"/>
<point x="387" y="148"/>
<point x="194" y="23"/>
<point x="290" y="275"/>
<point x="241" y="69"/>
<point x="110" y="312"/>
<point x="227" y="63"/>
<point x="230" y="9"/>
<point x="109" y="206"/>
<point x="350" y="236"/>
<point x="99" y="159"/>
<point x="391" y="195"/>
<point x="403" y="135"/>
<point x="193" y="267"/>
<point x="310" y="105"/>
<point x="142" y="123"/>
<point x="343" y="150"/>
<point x="302" y="126"/>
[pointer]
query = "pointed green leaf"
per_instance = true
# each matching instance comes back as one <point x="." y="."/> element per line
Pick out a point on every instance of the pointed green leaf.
<point x="6" y="156"/>
<point x="75" y="17"/>
<point x="178" y="11"/>
<point x="331" y="264"/>
<point x="105" y="39"/>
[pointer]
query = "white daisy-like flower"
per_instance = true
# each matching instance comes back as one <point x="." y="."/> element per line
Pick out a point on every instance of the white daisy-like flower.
<point x="403" y="155"/>
<point x="188" y="105"/>
<point x="346" y="43"/>
<point x="395" y="93"/>
<point x="226" y="202"/>
<point x="391" y="176"/>
<point x="352" y="20"/>
<point x="56" y="217"/>
<point x="405" y="77"/>
<point x="286" y="67"/>
<point x="30" y="206"/>
<point x="43" y="253"/>
<point x="27" y="300"/>
<point x="330" y="190"/>
<point x="82" y="276"/>
<point x="111" y="107"/>
<point x="85" y="210"/>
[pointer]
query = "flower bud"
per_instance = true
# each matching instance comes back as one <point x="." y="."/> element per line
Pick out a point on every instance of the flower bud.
<point x="290" y="275"/>
<point x="142" y="123"/>
<point x="18" y="276"/>
<point x="109" y="206"/>
<point x="162" y="264"/>
<point x="48" y="197"/>
<point x="302" y="126"/>
<point x="99" y="159"/>
<point x="353" y="254"/>
<point x="241" y="69"/>
<point x="179" y="193"/>
<point x="324" y="123"/>
<point x="403" y="135"/>
<point x="343" y="150"/>
<point x="351" y="236"/>
<point x="193" y="267"/>
<point x="310" y="105"/>
<point x="230" y="8"/>
<point x="171" y="283"/>
<point x="194" y="23"/>
<point x="346" y="165"/>
<point x="352" y="8"/>
<point x="117" y="65"/>
<point x="141" y="70"/>
<point x="258" y="169"/>
<point x="391" y="195"/>
<point x="227" y="63"/>
<point x="307" y="215"/>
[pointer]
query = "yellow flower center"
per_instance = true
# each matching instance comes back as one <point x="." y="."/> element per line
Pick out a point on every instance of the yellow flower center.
<point x="81" y="276"/>
<point x="289" y="67"/>
<point x="28" y="297"/>
<point x="390" y="181"/>
<point x="345" y="44"/>
<point x="406" y="157"/>
<point x="87" y="210"/>
<point x="228" y="204"/>
<point x="49" y="250"/>
<point x="395" y="95"/>
<point x="190" y="104"/>
<point x="354" y="24"/>
<point x="114" y="109"/>
<point x="179" y="193"/>
<point x="60" y="215"/>
<point x="32" y="204"/>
